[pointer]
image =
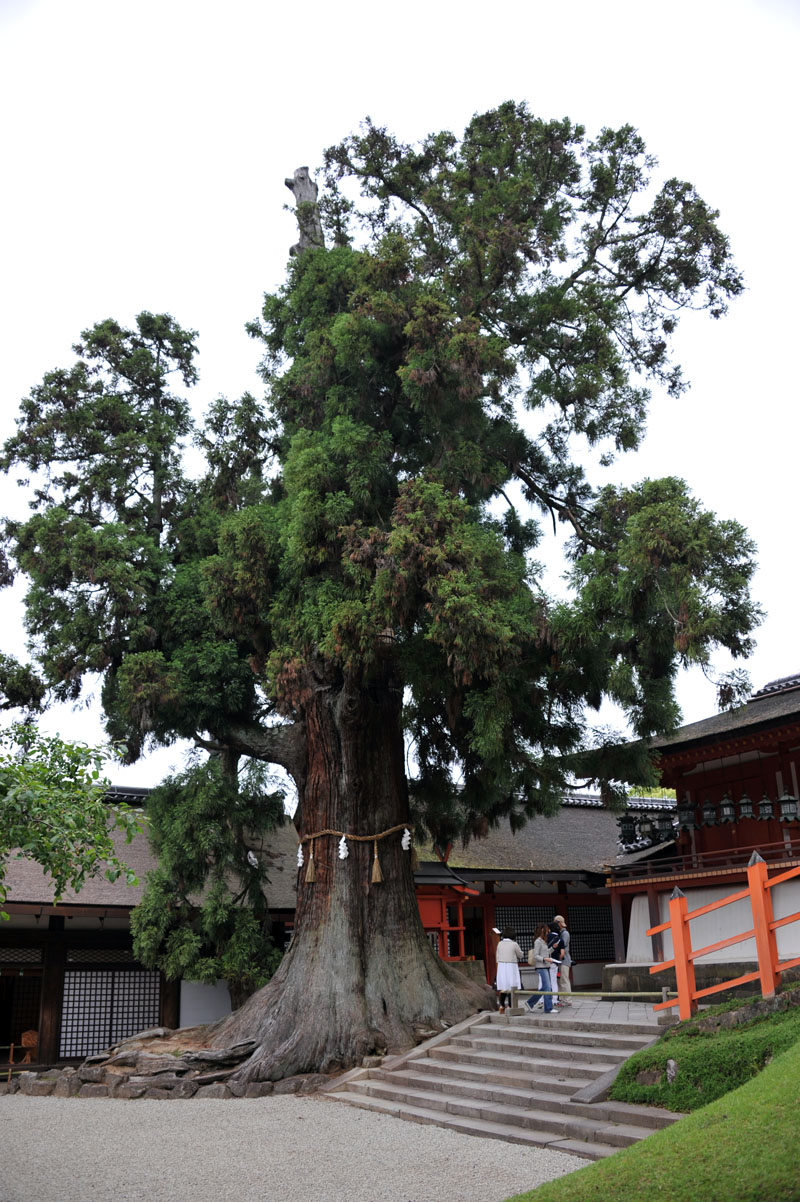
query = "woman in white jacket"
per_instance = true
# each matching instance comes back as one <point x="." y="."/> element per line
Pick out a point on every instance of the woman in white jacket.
<point x="508" y="955"/>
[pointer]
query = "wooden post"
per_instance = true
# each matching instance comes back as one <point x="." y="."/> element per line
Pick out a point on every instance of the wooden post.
<point x="766" y="942"/>
<point x="170" y="1003"/>
<point x="52" y="994"/>
<point x="682" y="948"/>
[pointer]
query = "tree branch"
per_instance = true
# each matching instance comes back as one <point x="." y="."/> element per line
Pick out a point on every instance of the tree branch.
<point x="283" y="745"/>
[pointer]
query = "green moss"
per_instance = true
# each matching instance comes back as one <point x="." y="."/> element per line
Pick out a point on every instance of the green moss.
<point x="709" y="1063"/>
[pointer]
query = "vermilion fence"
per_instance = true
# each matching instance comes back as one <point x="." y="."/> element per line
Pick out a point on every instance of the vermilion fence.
<point x="765" y="925"/>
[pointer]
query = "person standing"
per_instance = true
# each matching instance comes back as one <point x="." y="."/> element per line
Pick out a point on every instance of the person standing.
<point x="539" y="957"/>
<point x="555" y="946"/>
<point x="509" y="953"/>
<point x="564" y="979"/>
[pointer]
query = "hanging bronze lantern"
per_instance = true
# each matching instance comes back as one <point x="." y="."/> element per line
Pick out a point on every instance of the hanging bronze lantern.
<point x="686" y="815"/>
<point x="765" y="811"/>
<point x="727" y="810"/>
<point x="788" y="805"/>
<point x="709" y="813"/>
<point x="745" y="807"/>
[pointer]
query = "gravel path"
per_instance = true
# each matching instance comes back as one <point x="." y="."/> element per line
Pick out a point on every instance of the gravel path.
<point x="289" y="1149"/>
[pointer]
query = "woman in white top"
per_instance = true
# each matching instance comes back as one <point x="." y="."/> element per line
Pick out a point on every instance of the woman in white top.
<point x="508" y="954"/>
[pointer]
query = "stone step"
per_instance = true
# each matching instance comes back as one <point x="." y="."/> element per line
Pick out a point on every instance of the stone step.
<point x="534" y="1030"/>
<point x="487" y="1091"/>
<point x="573" y="1022"/>
<point x="626" y="1113"/>
<point x="519" y="1078"/>
<point x="555" y="1067"/>
<point x="487" y="1129"/>
<point x="557" y="1125"/>
<point x="539" y="1098"/>
<point x="542" y="1050"/>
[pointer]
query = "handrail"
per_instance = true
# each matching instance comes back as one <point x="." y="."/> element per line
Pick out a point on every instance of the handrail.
<point x="706" y="860"/>
<point x="758" y="890"/>
<point x="614" y="994"/>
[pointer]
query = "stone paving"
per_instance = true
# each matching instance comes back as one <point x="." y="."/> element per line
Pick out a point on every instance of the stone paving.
<point x="602" y="1010"/>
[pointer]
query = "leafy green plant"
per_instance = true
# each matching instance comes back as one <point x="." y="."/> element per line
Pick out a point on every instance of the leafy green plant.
<point x="204" y="915"/>
<point x="54" y="809"/>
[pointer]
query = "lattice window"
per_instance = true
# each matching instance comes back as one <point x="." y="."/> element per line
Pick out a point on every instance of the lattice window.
<point x="525" y="920"/>
<point x="20" y="955"/>
<point x="100" y="955"/>
<point x="137" y="1003"/>
<point x="101" y="1007"/>
<point x="433" y="940"/>
<point x="591" y="933"/>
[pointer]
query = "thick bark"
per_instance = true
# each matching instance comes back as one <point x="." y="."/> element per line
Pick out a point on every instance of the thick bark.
<point x="360" y="973"/>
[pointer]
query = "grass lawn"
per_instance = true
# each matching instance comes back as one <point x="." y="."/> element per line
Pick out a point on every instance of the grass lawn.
<point x="744" y="1147"/>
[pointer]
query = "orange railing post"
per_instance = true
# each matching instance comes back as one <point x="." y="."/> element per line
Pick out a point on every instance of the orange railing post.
<point x="682" y="950"/>
<point x="766" y="942"/>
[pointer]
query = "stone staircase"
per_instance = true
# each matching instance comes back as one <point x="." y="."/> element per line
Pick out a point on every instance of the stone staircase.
<point x="524" y="1078"/>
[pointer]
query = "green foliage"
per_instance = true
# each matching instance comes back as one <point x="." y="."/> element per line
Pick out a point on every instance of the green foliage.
<point x="204" y="915"/>
<point x="20" y="686"/>
<point x="53" y="810"/>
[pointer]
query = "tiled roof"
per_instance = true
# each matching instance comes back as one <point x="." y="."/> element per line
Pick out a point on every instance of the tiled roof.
<point x="784" y="685"/>
<point x="778" y="701"/>
<point x="27" y="883"/>
<point x="576" y="839"/>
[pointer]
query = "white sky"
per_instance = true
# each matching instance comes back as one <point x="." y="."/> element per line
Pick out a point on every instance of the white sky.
<point x="145" y="145"/>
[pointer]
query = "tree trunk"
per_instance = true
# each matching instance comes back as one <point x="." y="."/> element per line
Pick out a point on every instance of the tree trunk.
<point x="360" y="973"/>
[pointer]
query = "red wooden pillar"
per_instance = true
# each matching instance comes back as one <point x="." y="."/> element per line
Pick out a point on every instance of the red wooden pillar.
<point x="682" y="949"/>
<point x="460" y="921"/>
<point x="766" y="943"/>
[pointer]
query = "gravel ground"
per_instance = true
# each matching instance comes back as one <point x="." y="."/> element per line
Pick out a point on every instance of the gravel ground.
<point x="289" y="1149"/>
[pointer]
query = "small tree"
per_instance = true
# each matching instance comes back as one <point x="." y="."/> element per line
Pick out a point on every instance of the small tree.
<point x="54" y="809"/>
<point x="204" y="915"/>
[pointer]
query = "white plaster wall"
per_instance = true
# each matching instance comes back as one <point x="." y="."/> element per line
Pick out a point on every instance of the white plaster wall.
<point x="203" y="1003"/>
<point x="719" y="924"/>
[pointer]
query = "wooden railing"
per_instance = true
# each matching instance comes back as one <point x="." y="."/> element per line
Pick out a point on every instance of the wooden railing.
<point x="707" y="861"/>
<point x="769" y="969"/>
